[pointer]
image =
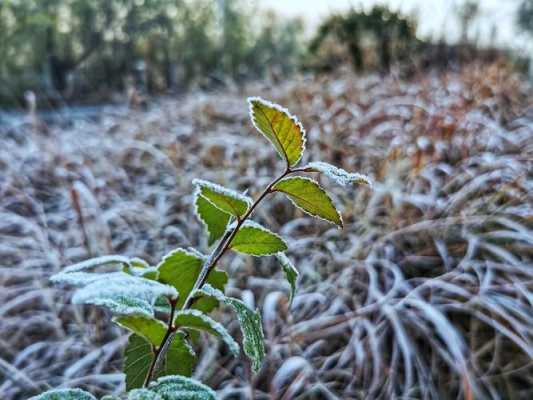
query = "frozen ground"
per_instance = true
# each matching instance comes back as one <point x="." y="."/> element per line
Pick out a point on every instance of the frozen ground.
<point x="427" y="292"/>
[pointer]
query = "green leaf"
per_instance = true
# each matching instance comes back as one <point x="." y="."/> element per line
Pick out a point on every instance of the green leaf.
<point x="342" y="177"/>
<point x="291" y="273"/>
<point x="181" y="388"/>
<point x="139" y="263"/>
<point x="151" y="329"/>
<point x="251" y="326"/>
<point x="143" y="394"/>
<point x="64" y="394"/>
<point x="197" y="320"/>
<point x="254" y="239"/>
<point x="137" y="358"/>
<point x="226" y="200"/>
<point x="281" y="128"/>
<point x="307" y="195"/>
<point x="179" y="359"/>
<point x="214" y="220"/>
<point x="180" y="268"/>
<point x="124" y="294"/>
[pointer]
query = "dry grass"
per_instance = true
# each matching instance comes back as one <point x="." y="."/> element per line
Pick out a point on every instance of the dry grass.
<point x="426" y="294"/>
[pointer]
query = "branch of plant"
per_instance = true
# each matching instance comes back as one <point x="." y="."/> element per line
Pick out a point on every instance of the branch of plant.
<point x="160" y="351"/>
<point x="214" y="257"/>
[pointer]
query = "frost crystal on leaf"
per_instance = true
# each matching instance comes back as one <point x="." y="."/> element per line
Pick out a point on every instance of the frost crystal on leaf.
<point x="339" y="175"/>
<point x="226" y="200"/>
<point x="96" y="262"/>
<point x="64" y="394"/>
<point x="179" y="387"/>
<point x="195" y="319"/>
<point x="291" y="273"/>
<point x="124" y="294"/>
<point x="280" y="127"/>
<point x="251" y="325"/>
<point x="214" y="220"/>
<point x="80" y="279"/>
<point x="143" y="394"/>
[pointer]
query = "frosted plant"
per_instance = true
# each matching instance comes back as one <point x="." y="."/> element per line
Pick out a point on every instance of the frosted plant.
<point x="163" y="305"/>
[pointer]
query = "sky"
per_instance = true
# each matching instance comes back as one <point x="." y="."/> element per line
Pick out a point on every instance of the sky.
<point x="435" y="16"/>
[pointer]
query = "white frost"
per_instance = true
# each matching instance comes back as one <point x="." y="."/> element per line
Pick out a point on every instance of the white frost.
<point x="79" y="279"/>
<point x="342" y="177"/>
<point x="222" y="190"/>
<point x="95" y="262"/>
<point x="124" y="294"/>
<point x="283" y="110"/>
<point x="216" y="328"/>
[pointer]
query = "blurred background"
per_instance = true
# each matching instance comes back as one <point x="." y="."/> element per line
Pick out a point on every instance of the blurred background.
<point x="109" y="109"/>
<point x="88" y="52"/>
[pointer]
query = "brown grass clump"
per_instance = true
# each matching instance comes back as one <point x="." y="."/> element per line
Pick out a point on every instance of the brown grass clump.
<point x="426" y="294"/>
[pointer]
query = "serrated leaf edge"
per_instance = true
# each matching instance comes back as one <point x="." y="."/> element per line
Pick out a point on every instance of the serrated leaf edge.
<point x="216" y="326"/>
<point x="199" y="183"/>
<point x="197" y="193"/>
<point x="305" y="211"/>
<point x="285" y="111"/>
<point x="339" y="175"/>
<point x="287" y="263"/>
<point x="190" y="253"/>
<point x="253" y="224"/>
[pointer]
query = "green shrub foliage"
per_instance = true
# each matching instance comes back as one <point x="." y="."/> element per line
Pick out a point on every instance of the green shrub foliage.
<point x="163" y="305"/>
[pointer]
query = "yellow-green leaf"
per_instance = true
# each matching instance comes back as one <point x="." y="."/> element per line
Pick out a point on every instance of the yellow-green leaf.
<point x="281" y="128"/>
<point x="151" y="329"/>
<point x="256" y="240"/>
<point x="307" y="195"/>
<point x="227" y="200"/>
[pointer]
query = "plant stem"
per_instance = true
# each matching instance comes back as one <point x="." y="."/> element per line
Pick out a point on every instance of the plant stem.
<point x="214" y="257"/>
<point x="158" y="353"/>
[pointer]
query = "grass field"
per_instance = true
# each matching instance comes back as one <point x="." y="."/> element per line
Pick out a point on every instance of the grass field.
<point x="427" y="293"/>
